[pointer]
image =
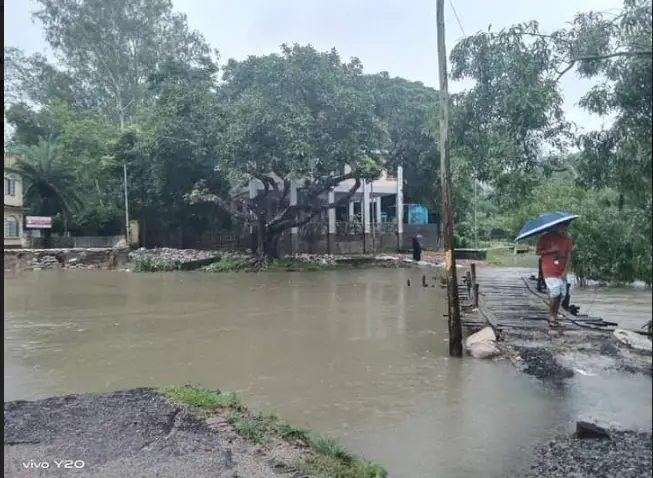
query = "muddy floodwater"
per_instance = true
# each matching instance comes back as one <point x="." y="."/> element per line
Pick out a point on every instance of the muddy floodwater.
<point x="356" y="354"/>
<point x="630" y="307"/>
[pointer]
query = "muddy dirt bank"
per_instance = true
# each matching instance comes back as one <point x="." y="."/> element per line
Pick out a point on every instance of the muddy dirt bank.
<point x="143" y="433"/>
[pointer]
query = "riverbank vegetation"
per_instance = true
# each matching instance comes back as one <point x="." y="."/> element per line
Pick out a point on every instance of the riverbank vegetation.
<point x="189" y="130"/>
<point x="167" y="260"/>
<point x="321" y="457"/>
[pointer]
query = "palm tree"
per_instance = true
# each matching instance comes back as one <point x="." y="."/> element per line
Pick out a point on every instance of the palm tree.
<point x="50" y="186"/>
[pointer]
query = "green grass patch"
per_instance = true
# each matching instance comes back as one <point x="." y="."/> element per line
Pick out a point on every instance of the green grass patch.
<point x="324" y="457"/>
<point x="204" y="399"/>
<point x="286" y="430"/>
<point x="252" y="428"/>
<point x="331" y="459"/>
<point x="328" y="447"/>
<point x="323" y="466"/>
<point x="501" y="257"/>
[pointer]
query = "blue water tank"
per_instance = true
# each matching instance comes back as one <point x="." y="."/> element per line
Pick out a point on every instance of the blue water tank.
<point x="418" y="214"/>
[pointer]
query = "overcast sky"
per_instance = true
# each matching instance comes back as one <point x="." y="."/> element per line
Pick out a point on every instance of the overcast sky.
<point x="391" y="35"/>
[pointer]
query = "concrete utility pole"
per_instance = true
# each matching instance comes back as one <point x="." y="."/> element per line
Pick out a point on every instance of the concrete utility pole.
<point x="124" y="173"/>
<point x="455" y="327"/>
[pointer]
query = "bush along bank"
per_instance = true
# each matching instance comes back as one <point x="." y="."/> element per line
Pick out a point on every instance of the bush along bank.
<point x="298" y="450"/>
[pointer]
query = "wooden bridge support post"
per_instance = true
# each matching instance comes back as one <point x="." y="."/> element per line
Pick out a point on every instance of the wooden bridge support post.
<point x="475" y="296"/>
<point x="455" y="326"/>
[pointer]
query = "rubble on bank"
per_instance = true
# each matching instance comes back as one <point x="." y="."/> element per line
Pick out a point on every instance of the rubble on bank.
<point x="91" y="258"/>
<point x="305" y="263"/>
<point x="375" y="260"/>
<point x="166" y="259"/>
<point x="173" y="255"/>
<point x="157" y="260"/>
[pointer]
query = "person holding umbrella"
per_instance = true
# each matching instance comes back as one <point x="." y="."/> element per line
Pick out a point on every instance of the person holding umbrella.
<point x="554" y="248"/>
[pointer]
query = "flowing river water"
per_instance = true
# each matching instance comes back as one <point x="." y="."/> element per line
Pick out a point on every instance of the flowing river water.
<point x="357" y="354"/>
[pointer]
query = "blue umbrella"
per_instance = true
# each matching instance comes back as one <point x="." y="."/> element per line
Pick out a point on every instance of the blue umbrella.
<point x="543" y="223"/>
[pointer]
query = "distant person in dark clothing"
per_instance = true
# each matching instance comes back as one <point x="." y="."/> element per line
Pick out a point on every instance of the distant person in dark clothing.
<point x="417" y="248"/>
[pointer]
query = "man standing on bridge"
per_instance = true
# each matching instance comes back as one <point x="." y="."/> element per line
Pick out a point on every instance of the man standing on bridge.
<point x="554" y="249"/>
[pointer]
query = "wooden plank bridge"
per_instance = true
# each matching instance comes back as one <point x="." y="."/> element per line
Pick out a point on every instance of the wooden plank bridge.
<point x="509" y="299"/>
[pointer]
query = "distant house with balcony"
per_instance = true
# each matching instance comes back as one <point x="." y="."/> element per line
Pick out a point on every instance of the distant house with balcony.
<point x="373" y="203"/>
<point x="13" y="204"/>
<point x="369" y="193"/>
<point x="367" y="222"/>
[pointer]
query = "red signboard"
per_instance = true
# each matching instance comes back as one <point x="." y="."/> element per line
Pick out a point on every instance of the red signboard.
<point x="38" y="222"/>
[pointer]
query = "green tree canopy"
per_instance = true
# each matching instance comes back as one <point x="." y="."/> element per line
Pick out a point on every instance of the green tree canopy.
<point x="406" y="109"/>
<point x="514" y="109"/>
<point x="107" y="51"/>
<point x="49" y="182"/>
<point x="298" y="116"/>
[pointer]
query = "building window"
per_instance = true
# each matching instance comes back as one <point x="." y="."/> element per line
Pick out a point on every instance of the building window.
<point x="10" y="187"/>
<point x="11" y="227"/>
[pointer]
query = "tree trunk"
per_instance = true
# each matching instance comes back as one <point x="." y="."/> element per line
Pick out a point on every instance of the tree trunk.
<point x="267" y="244"/>
<point x="254" y="242"/>
<point x="271" y="246"/>
<point x="261" y="237"/>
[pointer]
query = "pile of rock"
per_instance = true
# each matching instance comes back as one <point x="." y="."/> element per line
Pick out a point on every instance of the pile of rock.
<point x="39" y="259"/>
<point x="483" y="344"/>
<point x="322" y="259"/>
<point x="42" y="261"/>
<point x="178" y="256"/>
<point x="596" y="452"/>
<point x="165" y="259"/>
